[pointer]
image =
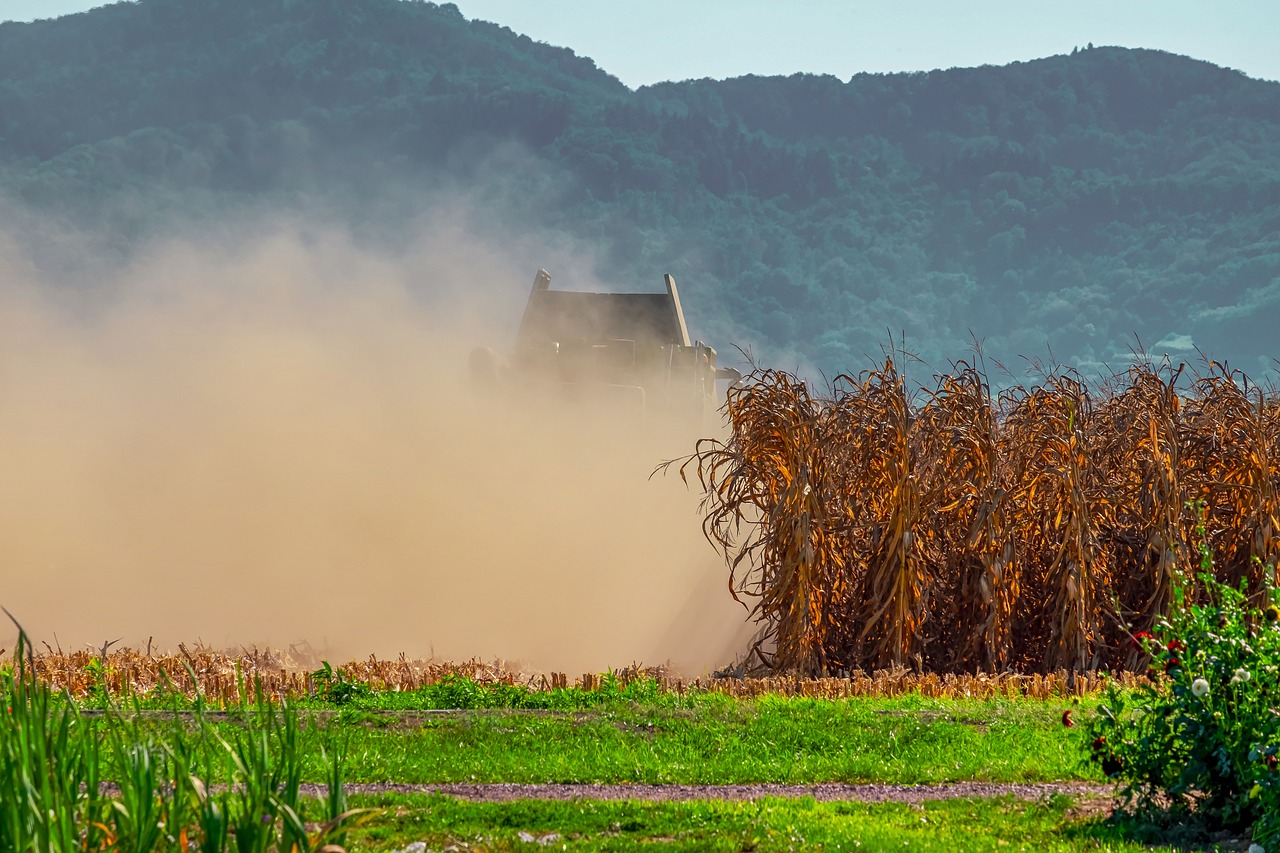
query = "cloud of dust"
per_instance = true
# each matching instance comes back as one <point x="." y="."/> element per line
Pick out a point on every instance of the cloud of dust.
<point x="273" y="439"/>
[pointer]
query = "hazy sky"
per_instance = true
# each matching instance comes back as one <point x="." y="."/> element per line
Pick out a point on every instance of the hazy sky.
<point x="645" y="41"/>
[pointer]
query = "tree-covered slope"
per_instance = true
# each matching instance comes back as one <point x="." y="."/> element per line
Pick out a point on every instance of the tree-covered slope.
<point x="1073" y="201"/>
<point x="165" y="63"/>
<point x="1069" y="202"/>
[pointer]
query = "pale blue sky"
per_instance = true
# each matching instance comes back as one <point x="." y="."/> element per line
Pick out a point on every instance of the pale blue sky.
<point x="645" y="41"/>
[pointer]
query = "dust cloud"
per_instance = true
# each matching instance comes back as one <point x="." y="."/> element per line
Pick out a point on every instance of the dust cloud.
<point x="266" y="440"/>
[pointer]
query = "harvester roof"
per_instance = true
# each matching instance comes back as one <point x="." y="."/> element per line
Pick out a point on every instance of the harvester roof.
<point x="564" y="315"/>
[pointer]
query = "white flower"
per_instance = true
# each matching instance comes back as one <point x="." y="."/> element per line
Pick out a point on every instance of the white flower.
<point x="1200" y="688"/>
<point x="421" y="846"/>
<point x="1257" y="848"/>
<point x="1242" y="675"/>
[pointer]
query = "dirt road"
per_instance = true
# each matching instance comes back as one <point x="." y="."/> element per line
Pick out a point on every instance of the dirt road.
<point x="505" y="792"/>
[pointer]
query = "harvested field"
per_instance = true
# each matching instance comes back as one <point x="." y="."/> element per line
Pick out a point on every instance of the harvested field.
<point x="231" y="677"/>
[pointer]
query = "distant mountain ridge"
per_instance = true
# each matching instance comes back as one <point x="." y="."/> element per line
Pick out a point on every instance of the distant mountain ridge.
<point x="1068" y="203"/>
<point x="165" y="63"/>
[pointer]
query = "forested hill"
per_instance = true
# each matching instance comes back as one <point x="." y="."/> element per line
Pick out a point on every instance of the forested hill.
<point x="1065" y="203"/>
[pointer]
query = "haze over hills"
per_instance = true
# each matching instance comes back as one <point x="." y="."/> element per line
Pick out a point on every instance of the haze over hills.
<point x="1065" y="204"/>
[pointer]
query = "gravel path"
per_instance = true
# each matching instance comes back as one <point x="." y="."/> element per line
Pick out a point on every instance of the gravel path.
<point x="505" y="792"/>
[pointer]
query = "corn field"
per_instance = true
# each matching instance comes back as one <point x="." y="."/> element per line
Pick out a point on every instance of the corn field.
<point x="954" y="530"/>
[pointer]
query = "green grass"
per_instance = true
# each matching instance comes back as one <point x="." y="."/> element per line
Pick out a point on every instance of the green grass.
<point x="621" y="734"/>
<point x="902" y="740"/>
<point x="768" y="824"/>
<point x="635" y="733"/>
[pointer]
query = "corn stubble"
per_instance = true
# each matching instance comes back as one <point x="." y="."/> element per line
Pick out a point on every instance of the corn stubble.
<point x="230" y="678"/>
<point x="953" y="530"/>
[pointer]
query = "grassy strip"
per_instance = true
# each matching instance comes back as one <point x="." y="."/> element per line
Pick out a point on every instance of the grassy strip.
<point x="906" y="740"/>
<point x="768" y="824"/>
<point x="636" y="732"/>
<point x="163" y="767"/>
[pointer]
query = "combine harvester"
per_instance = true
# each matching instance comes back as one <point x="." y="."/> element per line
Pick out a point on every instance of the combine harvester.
<point x="626" y="351"/>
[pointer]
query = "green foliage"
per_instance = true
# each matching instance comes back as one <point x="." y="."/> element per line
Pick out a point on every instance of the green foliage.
<point x="1201" y="743"/>
<point x="337" y="687"/>
<point x="100" y="672"/>
<point x="55" y="761"/>
<point x="49" y="764"/>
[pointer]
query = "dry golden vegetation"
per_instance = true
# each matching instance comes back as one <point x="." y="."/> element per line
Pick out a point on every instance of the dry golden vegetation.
<point x="229" y="677"/>
<point x="955" y="530"/>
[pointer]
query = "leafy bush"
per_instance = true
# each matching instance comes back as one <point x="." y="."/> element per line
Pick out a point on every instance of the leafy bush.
<point x="336" y="686"/>
<point x="1201" y="741"/>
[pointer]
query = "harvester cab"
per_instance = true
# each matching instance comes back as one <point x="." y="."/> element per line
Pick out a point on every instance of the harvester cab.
<point x="628" y="349"/>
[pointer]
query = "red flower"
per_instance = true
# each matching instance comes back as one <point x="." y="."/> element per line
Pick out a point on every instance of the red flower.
<point x="1066" y="718"/>
<point x="1099" y="744"/>
<point x="1140" y="639"/>
<point x="1171" y="663"/>
<point x="1271" y="762"/>
<point x="1176" y="646"/>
